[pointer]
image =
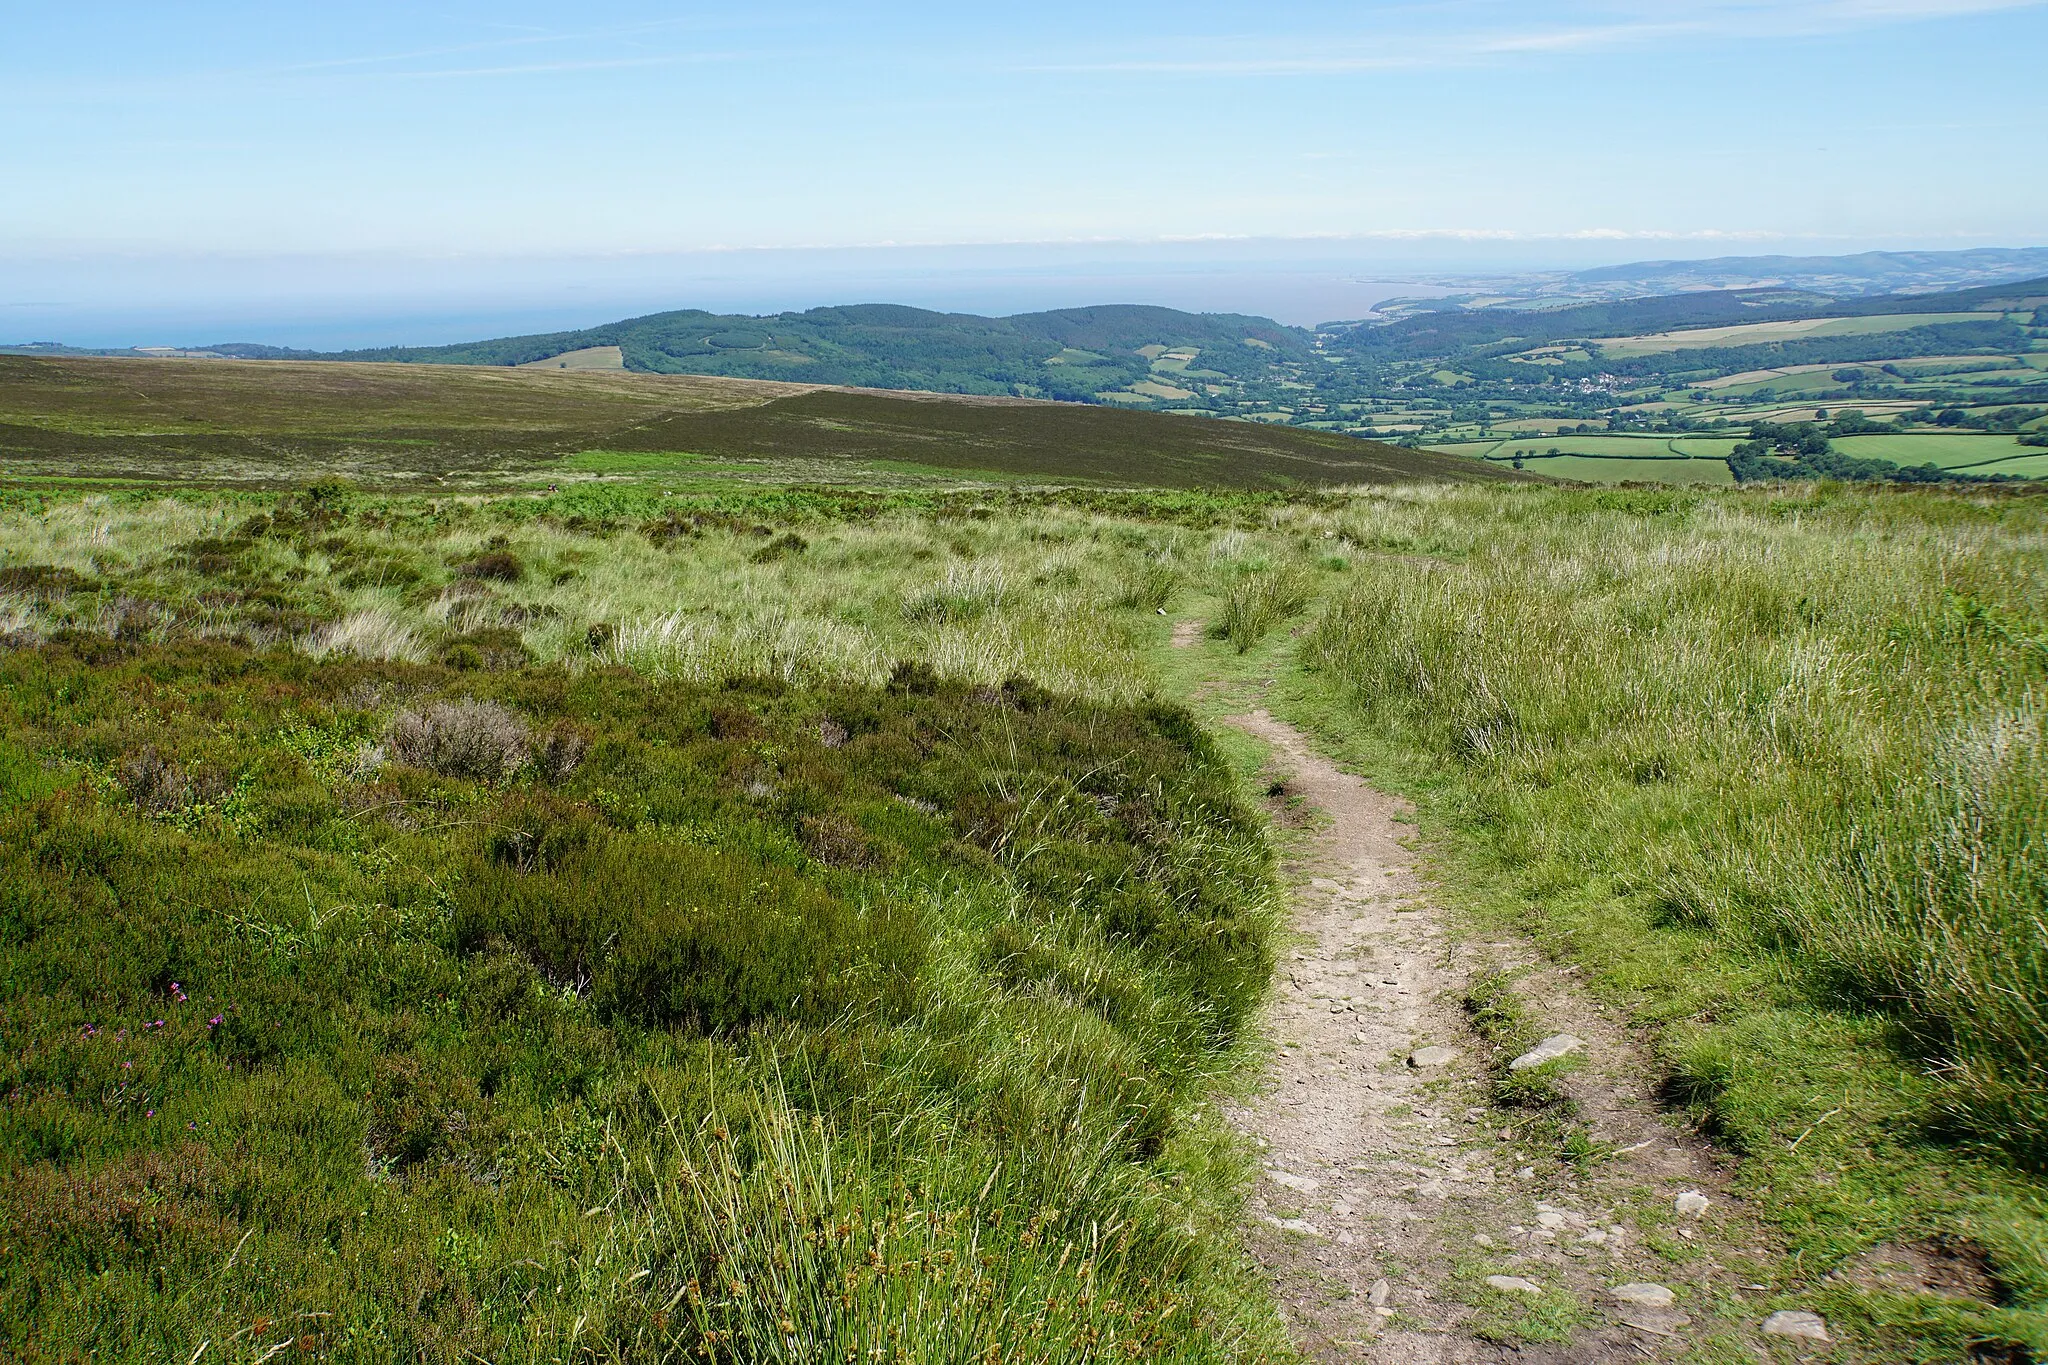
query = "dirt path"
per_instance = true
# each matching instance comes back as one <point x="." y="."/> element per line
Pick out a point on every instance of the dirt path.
<point x="1393" y="1189"/>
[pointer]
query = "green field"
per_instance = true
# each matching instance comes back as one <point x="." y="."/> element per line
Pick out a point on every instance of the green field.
<point x="1611" y="459"/>
<point x="1950" y="451"/>
<point x="1757" y="333"/>
<point x="1610" y="469"/>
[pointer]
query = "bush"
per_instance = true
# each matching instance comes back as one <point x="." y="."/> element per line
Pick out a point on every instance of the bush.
<point x="152" y="783"/>
<point x="784" y="546"/>
<point x="561" y="750"/>
<point x="479" y="740"/>
<point x="492" y="649"/>
<point x="495" y="566"/>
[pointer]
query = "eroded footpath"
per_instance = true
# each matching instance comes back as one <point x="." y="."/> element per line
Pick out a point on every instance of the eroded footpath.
<point x="1406" y="1215"/>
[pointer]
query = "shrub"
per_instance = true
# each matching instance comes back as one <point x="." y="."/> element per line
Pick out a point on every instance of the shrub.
<point x="153" y="783"/>
<point x="479" y="740"/>
<point x="788" y="544"/>
<point x="493" y="648"/>
<point x="560" y="751"/>
<point x="494" y="566"/>
<point x="913" y="678"/>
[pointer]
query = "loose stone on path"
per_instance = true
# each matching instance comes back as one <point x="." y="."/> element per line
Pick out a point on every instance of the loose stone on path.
<point x="1549" y="1050"/>
<point x="1795" y="1322"/>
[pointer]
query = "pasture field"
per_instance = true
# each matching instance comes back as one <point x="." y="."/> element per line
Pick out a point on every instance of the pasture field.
<point x="677" y="916"/>
<point x="588" y="358"/>
<point x="1617" y="469"/>
<point x="1948" y="450"/>
<point x="1756" y="333"/>
<point x="1611" y="459"/>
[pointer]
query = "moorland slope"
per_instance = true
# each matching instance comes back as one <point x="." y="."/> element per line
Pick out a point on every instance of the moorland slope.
<point x="272" y="423"/>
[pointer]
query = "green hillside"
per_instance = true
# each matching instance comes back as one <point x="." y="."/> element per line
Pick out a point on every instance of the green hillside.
<point x="1071" y="353"/>
<point x="1060" y="442"/>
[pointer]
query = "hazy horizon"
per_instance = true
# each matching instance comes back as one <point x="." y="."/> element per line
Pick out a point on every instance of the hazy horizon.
<point x="341" y="302"/>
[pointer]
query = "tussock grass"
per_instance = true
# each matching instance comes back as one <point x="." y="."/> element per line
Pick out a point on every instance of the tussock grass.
<point x="1260" y="600"/>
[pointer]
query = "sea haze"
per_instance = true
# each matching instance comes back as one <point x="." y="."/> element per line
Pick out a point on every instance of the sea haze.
<point x="332" y="302"/>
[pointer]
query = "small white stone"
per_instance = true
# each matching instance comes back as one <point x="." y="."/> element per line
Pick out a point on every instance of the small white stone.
<point x="1299" y="1183"/>
<point x="1549" y="1050"/>
<point x="1300" y="1225"/>
<point x="1526" y="1173"/>
<point x="1481" y="1239"/>
<point x="1432" y="1056"/>
<point x="1513" y="1284"/>
<point x="1380" y="1292"/>
<point x="1692" y="1203"/>
<point x="1645" y="1295"/>
<point x="1795" y="1322"/>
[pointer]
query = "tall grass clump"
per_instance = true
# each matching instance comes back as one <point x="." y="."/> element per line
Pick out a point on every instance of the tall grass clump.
<point x="1806" y="735"/>
<point x="778" y="1236"/>
<point x="1261" y="599"/>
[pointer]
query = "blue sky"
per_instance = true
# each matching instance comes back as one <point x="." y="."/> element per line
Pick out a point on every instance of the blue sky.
<point x="158" y="153"/>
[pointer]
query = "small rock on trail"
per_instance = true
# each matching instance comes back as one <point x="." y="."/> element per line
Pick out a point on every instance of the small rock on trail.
<point x="1549" y="1050"/>
<point x="1643" y="1295"/>
<point x="1797" y="1323"/>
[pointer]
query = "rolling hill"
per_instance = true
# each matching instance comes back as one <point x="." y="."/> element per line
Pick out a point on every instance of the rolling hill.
<point x="1074" y="353"/>
<point x="457" y="427"/>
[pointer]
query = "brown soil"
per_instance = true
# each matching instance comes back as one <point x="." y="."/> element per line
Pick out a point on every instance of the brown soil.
<point x="1950" y="1269"/>
<point x="1392" y="1190"/>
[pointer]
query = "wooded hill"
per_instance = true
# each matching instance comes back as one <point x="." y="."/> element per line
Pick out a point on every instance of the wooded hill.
<point x="1070" y="353"/>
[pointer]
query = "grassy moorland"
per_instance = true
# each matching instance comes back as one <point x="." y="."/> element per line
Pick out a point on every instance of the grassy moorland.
<point x="523" y="975"/>
<point x="449" y="428"/>
<point x="615" y="924"/>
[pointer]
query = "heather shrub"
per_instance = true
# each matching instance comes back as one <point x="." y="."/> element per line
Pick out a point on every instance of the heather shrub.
<point x="481" y="740"/>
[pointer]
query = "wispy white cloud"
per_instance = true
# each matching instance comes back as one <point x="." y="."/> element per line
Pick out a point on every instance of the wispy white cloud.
<point x="1479" y="34"/>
